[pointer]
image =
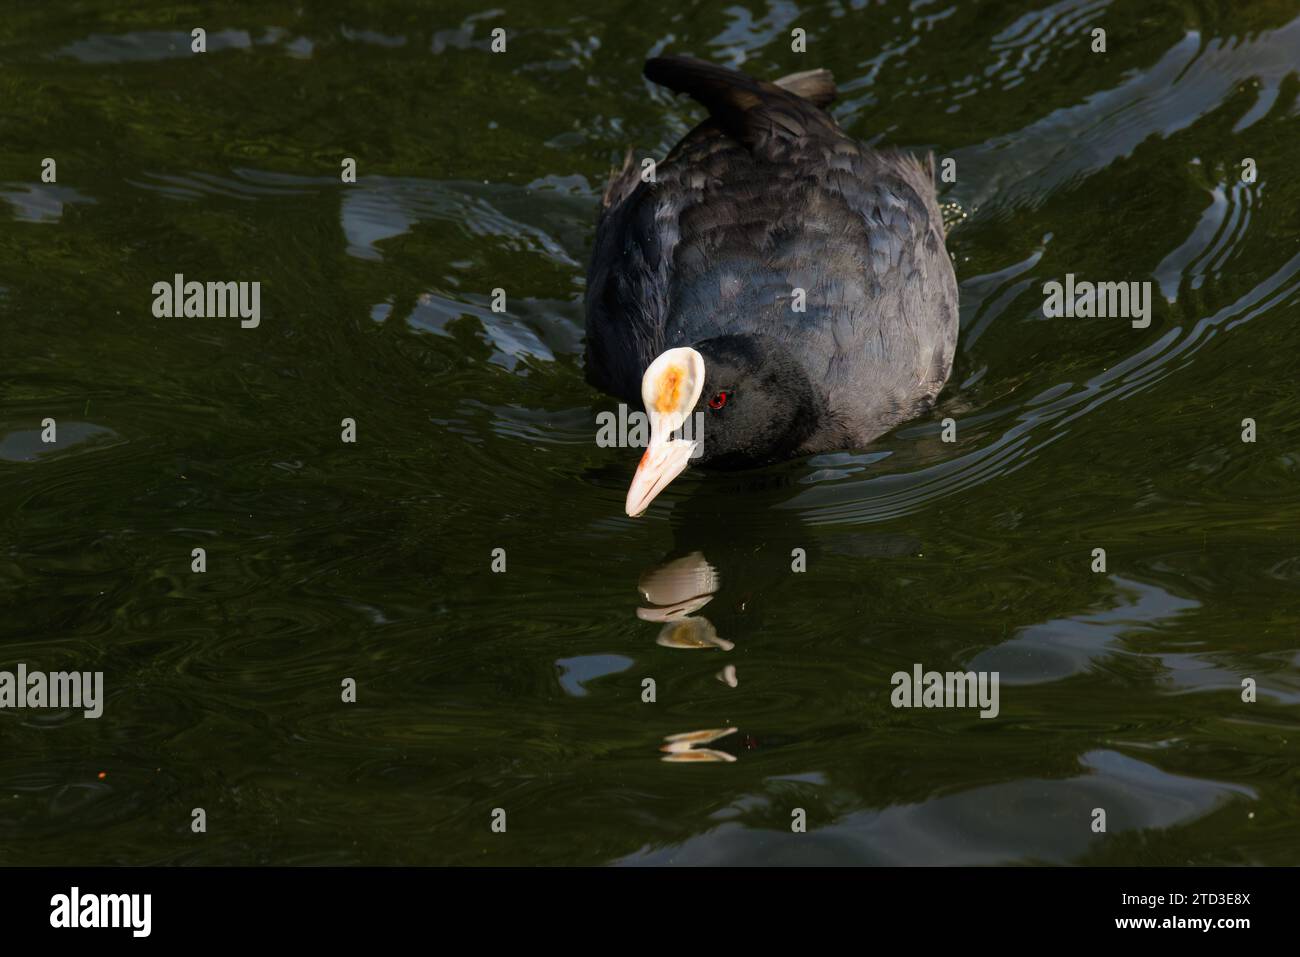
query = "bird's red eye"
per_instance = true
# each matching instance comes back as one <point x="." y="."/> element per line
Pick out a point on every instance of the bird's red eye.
<point x="718" y="401"/>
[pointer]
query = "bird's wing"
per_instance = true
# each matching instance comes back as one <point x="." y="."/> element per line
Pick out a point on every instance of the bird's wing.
<point x="627" y="284"/>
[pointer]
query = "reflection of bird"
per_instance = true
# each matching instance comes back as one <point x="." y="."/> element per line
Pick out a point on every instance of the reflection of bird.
<point x="684" y="748"/>
<point x="674" y="589"/>
<point x="671" y="592"/>
<point x="776" y="280"/>
<point x="746" y="562"/>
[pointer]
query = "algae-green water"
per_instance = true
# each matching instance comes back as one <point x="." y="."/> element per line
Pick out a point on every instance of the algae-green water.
<point x="1162" y="685"/>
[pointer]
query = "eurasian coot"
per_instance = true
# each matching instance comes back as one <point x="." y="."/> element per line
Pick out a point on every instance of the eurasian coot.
<point x="775" y="276"/>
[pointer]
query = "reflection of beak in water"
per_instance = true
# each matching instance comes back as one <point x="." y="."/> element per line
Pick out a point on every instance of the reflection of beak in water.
<point x="681" y="748"/>
<point x="672" y="591"/>
<point x="675" y="589"/>
<point x="673" y="612"/>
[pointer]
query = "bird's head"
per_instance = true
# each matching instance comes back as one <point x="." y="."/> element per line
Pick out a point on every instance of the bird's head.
<point x="733" y="401"/>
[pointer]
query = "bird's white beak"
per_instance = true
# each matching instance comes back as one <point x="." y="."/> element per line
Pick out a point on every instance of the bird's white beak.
<point x="670" y="388"/>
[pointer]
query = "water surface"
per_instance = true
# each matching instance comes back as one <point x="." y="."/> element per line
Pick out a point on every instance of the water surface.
<point x="523" y="690"/>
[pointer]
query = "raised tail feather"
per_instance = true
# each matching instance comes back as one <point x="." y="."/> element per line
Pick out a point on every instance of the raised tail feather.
<point x="749" y="110"/>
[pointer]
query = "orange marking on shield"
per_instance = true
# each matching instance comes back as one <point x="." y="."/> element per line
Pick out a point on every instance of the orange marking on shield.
<point x="670" y="390"/>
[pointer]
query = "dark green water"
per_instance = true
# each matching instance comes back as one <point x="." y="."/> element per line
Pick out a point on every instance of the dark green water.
<point x="1119" y="690"/>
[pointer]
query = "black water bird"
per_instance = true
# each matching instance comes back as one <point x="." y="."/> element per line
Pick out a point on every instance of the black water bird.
<point x="775" y="281"/>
